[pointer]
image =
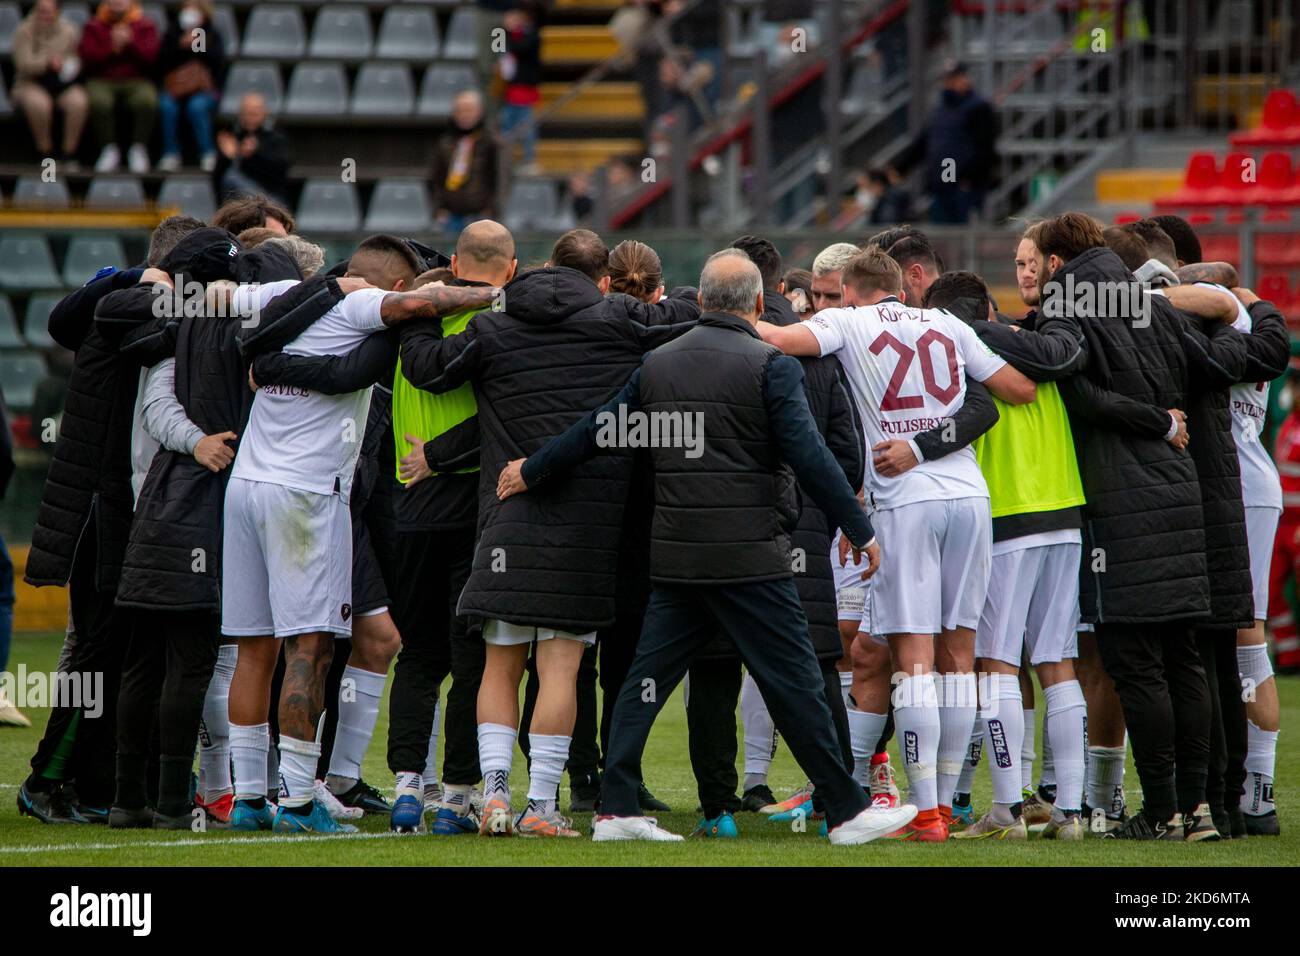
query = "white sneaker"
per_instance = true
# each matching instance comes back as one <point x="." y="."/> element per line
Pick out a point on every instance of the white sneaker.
<point x="137" y="158"/>
<point x="110" y="157"/>
<point x="331" y="803"/>
<point x="634" y="828"/>
<point x="11" y="716"/>
<point x="208" y="162"/>
<point x="169" y="163"/>
<point x="872" y="823"/>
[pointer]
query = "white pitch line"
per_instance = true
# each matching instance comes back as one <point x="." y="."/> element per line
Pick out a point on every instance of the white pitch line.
<point x="215" y="841"/>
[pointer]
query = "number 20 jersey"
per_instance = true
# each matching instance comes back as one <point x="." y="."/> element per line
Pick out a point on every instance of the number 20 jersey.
<point x="907" y="369"/>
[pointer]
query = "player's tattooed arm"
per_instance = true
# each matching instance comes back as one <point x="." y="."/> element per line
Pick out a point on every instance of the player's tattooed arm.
<point x="434" y="302"/>
<point x="1203" y="302"/>
<point x="1220" y="273"/>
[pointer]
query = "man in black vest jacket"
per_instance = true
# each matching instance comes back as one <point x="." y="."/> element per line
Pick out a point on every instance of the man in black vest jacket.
<point x="720" y="551"/>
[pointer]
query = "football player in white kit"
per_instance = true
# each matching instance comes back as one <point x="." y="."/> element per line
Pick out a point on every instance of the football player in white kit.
<point x="905" y="366"/>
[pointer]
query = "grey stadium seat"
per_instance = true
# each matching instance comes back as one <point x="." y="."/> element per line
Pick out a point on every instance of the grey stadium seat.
<point x="440" y="85"/>
<point x="327" y="205"/>
<point x="9" y="337"/>
<point x="399" y="205"/>
<point x="275" y="31"/>
<point x="36" y="325"/>
<point x="156" y="13"/>
<point x="383" y="89"/>
<point x="317" y="89"/>
<point x="341" y="31"/>
<point x="407" y="33"/>
<point x="462" y="35"/>
<point x="26" y="263"/>
<point x="193" y="195"/>
<point x="532" y="204"/>
<point x="88" y="254"/>
<point x="20" y="373"/>
<point x="10" y="17"/>
<point x="116" y="191"/>
<point x="245" y="78"/>
<point x="34" y="191"/>
<point x="77" y="13"/>
<point x="223" y="18"/>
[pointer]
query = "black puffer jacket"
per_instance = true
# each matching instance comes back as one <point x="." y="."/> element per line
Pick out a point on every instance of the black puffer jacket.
<point x="1144" y="544"/>
<point x="560" y="349"/>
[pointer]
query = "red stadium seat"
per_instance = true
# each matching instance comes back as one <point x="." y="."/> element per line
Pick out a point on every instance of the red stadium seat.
<point x="1279" y="125"/>
<point x="1124" y="218"/>
<point x="1221" y="247"/>
<point x="1275" y="185"/>
<point x="1277" y="290"/>
<point x="1274" y="249"/>
<point x="1199" y="182"/>
<point x="1233" y="184"/>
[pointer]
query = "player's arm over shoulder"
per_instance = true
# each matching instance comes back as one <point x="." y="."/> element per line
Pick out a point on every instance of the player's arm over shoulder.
<point x="984" y="365"/>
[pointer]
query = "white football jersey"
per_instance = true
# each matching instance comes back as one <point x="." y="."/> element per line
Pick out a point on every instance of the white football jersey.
<point x="907" y="369"/>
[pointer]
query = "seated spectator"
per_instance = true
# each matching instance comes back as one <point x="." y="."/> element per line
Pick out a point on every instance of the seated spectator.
<point x="880" y="192"/>
<point x="193" y="64"/>
<point x="46" y="67"/>
<point x="520" y="70"/>
<point x="464" y="167"/>
<point x="119" y="47"/>
<point x="254" y="156"/>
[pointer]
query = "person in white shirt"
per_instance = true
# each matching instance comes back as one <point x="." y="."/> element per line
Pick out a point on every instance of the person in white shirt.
<point x="907" y="369"/>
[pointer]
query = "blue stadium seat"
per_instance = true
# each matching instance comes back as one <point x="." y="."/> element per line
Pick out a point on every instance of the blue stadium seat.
<point x="245" y="78"/>
<point x="88" y="254"/>
<point x="9" y="336"/>
<point x="407" y="33"/>
<point x="34" y="191"/>
<point x="26" y="263"/>
<point x="275" y="31"/>
<point x="36" y="324"/>
<point x="462" y="35"/>
<point x="399" y="205"/>
<point x="327" y="205"/>
<point x="440" y="85"/>
<point x="317" y="89"/>
<point x="114" y="191"/>
<point x="383" y="89"/>
<point x="193" y="195"/>
<point x="341" y="32"/>
<point x="20" y="373"/>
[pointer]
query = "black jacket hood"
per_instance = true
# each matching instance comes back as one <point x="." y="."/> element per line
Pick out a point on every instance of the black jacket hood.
<point x="552" y="294"/>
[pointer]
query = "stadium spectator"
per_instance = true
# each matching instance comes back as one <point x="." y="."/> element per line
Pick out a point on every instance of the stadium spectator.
<point x="193" y="63"/>
<point x="119" y="48"/>
<point x="464" y="167"/>
<point x="255" y="156"/>
<point x="253" y="212"/>
<point x="520" y="70"/>
<point x="881" y="194"/>
<point x="958" y="150"/>
<point x="46" y="71"/>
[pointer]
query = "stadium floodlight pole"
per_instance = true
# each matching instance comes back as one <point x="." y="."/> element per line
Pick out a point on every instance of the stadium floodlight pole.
<point x="760" y="142"/>
<point x="833" y="90"/>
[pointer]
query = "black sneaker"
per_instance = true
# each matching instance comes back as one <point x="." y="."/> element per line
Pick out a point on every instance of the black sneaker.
<point x="120" y="818"/>
<point x="1266" y="824"/>
<point x="52" y="807"/>
<point x="1139" y="827"/>
<point x="1222" y="822"/>
<point x="1237" y="825"/>
<point x="756" y="798"/>
<point x="584" y="792"/>
<point x="648" y="801"/>
<point x="362" y="795"/>
<point x="163" y="821"/>
<point x="1198" y="826"/>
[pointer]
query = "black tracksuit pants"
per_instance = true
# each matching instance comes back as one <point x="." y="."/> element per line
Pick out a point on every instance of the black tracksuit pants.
<point x="165" y="677"/>
<point x="1226" y="782"/>
<point x="766" y="622"/>
<point x="1166" y="699"/>
<point x="434" y="566"/>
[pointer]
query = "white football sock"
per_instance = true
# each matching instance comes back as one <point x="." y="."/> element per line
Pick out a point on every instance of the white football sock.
<point x="214" y="730"/>
<point x="916" y="719"/>
<point x="974" y="750"/>
<point x="846" y="687"/>
<point x="1106" y="778"/>
<point x="274" y="785"/>
<point x="249" y="746"/>
<point x="1261" y="758"/>
<point x="496" y="751"/>
<point x="865" y="729"/>
<point x="1005" y="736"/>
<point x="1027" y="755"/>
<point x="957" y="709"/>
<point x="359" y="695"/>
<point x="548" y="753"/>
<point x="431" y="761"/>
<point x="409" y="784"/>
<point x="298" y="759"/>
<point x="1047" y="772"/>
<point x="1067" y="716"/>
<point x="760" y="733"/>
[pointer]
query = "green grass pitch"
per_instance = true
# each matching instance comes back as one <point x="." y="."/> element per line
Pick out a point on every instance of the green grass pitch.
<point x="24" y="842"/>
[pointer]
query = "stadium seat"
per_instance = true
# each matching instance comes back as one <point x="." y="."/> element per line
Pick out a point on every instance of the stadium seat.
<point x="1279" y="249"/>
<point x="462" y="35"/>
<point x="327" y="205"/>
<point x="36" y="325"/>
<point x="1275" y="185"/>
<point x="1201" y="177"/>
<point x="9" y="336"/>
<point x="245" y="78"/>
<point x="10" y="17"/>
<point x="383" y="89"/>
<point x="440" y="85"/>
<point x="114" y="191"/>
<point x="1220" y="246"/>
<point x="1234" y="183"/>
<point x="34" y="191"/>
<point x="20" y="373"/>
<point x="156" y="13"/>
<point x="77" y="13"/>
<point x="275" y="31"/>
<point x="26" y="263"/>
<point x="88" y="254"/>
<point x="223" y="18"/>
<point x="399" y="205"/>
<point x="1124" y="218"/>
<point x="1279" y="125"/>
<point x="192" y="195"/>
<point x="317" y="89"/>
<point x="407" y="33"/>
<point x="533" y="204"/>
<point x="1276" y="289"/>
<point x="341" y="32"/>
